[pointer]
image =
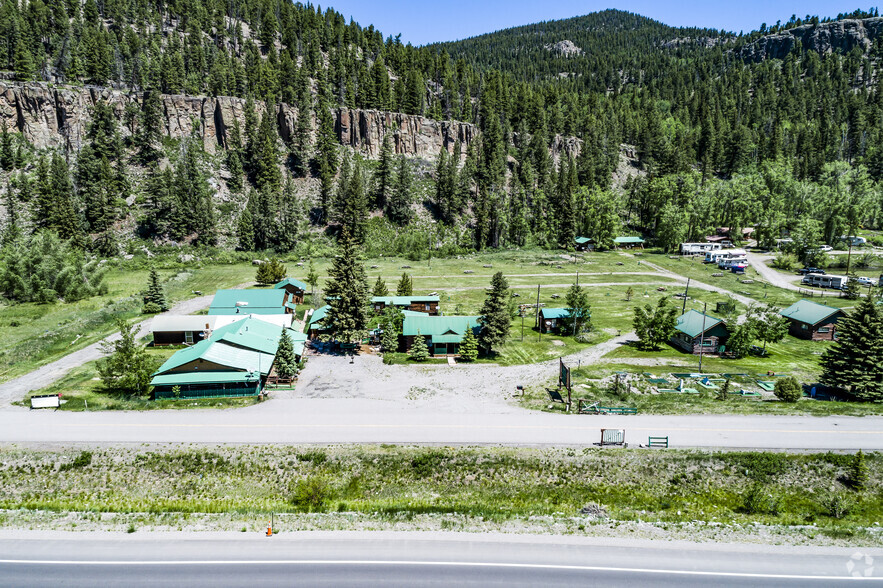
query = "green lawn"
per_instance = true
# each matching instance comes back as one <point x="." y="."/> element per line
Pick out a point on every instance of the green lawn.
<point x="81" y="390"/>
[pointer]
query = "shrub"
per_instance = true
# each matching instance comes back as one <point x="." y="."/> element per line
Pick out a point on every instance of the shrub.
<point x="758" y="501"/>
<point x="836" y="505"/>
<point x="151" y="308"/>
<point x="310" y="494"/>
<point x="858" y="472"/>
<point x="81" y="461"/>
<point x="788" y="390"/>
<point x="785" y="261"/>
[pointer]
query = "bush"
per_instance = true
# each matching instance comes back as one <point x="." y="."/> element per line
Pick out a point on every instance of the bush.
<point x="151" y="308"/>
<point x="758" y="501"/>
<point x="785" y="261"/>
<point x="836" y="505"/>
<point x="81" y="461"/>
<point x="788" y="390"/>
<point x="310" y="494"/>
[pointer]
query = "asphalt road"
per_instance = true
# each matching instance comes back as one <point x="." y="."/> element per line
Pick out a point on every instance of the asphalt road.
<point x="304" y="421"/>
<point x="415" y="559"/>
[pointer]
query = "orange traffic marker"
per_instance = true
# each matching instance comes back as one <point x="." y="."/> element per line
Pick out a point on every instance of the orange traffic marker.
<point x="269" y="529"/>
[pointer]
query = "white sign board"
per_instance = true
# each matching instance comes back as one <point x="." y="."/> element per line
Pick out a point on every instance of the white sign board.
<point x="48" y="401"/>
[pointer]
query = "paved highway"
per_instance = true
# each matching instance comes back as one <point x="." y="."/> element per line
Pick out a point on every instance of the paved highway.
<point x="414" y="559"/>
<point x="367" y="421"/>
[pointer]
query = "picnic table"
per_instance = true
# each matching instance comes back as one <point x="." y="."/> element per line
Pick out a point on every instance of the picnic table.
<point x="584" y="406"/>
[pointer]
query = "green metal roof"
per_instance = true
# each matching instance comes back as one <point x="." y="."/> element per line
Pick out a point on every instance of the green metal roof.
<point x="292" y="282"/>
<point x="248" y="302"/>
<point x="808" y="312"/>
<point x="436" y="326"/>
<point x="235" y="358"/>
<point x="403" y="300"/>
<point x="583" y="240"/>
<point x="627" y="240"/>
<point x="319" y="315"/>
<point x="413" y="313"/>
<point x="201" y="378"/>
<point x="250" y="333"/>
<point x="554" y="313"/>
<point x="690" y="323"/>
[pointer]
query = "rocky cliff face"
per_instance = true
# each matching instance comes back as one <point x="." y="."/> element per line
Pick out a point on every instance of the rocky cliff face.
<point x="59" y="116"/>
<point x="841" y="36"/>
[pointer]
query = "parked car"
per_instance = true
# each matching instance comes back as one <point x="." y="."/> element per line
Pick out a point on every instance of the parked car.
<point x="811" y="270"/>
<point x="865" y="281"/>
<point x="826" y="248"/>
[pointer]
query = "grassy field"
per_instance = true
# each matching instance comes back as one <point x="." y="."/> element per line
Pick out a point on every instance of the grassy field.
<point x="35" y="334"/>
<point x="495" y="488"/>
<point x="38" y="334"/>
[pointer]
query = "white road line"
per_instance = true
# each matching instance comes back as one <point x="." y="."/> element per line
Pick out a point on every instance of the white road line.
<point x="301" y="562"/>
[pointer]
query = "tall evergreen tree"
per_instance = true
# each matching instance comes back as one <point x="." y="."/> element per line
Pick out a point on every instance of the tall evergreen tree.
<point x="398" y="205"/>
<point x="347" y="294"/>
<point x="855" y="361"/>
<point x="285" y="364"/>
<point x="405" y="286"/>
<point x="495" y="317"/>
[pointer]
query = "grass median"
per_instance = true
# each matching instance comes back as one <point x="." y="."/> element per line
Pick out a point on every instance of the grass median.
<point x="809" y="497"/>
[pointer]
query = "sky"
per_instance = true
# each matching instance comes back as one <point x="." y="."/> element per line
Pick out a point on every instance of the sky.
<point x="424" y="21"/>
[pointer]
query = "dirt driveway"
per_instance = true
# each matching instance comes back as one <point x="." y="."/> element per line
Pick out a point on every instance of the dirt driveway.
<point x="476" y="388"/>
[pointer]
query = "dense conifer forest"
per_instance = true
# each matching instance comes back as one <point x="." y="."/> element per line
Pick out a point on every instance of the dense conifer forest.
<point x="591" y="126"/>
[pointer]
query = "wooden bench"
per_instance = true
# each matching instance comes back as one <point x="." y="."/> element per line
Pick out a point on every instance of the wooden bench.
<point x="583" y="407"/>
<point x="658" y="442"/>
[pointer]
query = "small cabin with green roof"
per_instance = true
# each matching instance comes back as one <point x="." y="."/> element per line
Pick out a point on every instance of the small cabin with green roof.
<point x="443" y="334"/>
<point x="316" y="323"/>
<point x="584" y="243"/>
<point x="696" y="332"/>
<point x="551" y="319"/>
<point x="813" y="321"/>
<point x="295" y="288"/>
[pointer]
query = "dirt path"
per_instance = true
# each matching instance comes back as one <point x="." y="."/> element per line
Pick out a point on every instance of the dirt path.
<point x="771" y="275"/>
<point x="43" y="376"/>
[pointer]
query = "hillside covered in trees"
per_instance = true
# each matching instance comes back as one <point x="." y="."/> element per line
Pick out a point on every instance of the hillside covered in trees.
<point x="780" y="129"/>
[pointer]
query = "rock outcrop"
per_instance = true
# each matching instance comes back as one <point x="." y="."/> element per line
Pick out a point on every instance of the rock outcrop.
<point x="50" y="116"/>
<point x="841" y="36"/>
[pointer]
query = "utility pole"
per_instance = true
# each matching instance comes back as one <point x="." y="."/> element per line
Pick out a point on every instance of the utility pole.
<point x="537" y="323"/>
<point x="686" y="291"/>
<point x="702" y="337"/>
<point x="849" y="256"/>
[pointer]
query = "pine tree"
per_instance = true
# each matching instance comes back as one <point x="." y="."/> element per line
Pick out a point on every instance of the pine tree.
<point x="155" y="295"/>
<point x="245" y="231"/>
<point x="286" y="362"/>
<point x="495" y="318"/>
<point x="270" y="272"/>
<point x="150" y="121"/>
<point x="127" y="366"/>
<point x="12" y="230"/>
<point x="858" y="475"/>
<point x="406" y="286"/>
<point x="469" y="346"/>
<point x="384" y="176"/>
<point x="419" y="351"/>
<point x="326" y="151"/>
<point x="855" y="362"/>
<point x="312" y="278"/>
<point x="579" y="310"/>
<point x="391" y="322"/>
<point x="380" y="288"/>
<point x="352" y="203"/>
<point x="347" y="294"/>
<point x="398" y="205"/>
